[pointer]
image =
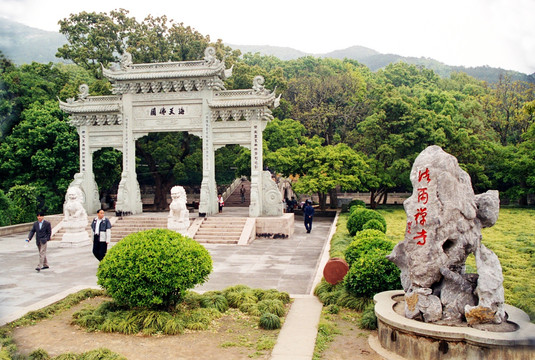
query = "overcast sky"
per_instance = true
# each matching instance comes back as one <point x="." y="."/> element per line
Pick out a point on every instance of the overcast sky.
<point x="498" y="33"/>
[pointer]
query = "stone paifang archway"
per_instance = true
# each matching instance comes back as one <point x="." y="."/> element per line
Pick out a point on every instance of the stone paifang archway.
<point x="174" y="96"/>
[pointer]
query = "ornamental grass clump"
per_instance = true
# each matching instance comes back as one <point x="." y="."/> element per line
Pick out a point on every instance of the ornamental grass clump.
<point x="153" y="268"/>
<point x="269" y="321"/>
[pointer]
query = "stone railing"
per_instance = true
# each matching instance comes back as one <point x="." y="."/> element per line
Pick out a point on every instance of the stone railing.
<point x="14" y="229"/>
<point x="231" y="188"/>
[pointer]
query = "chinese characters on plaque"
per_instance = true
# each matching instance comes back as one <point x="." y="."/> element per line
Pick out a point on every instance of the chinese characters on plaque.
<point x="82" y="149"/>
<point x="421" y="213"/>
<point x="255" y="148"/>
<point x="170" y="110"/>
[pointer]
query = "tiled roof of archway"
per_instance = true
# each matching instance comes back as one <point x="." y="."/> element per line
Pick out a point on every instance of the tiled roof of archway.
<point x="168" y="70"/>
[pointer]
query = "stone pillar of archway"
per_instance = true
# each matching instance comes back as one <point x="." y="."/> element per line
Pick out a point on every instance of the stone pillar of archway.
<point x="128" y="194"/>
<point x="85" y="179"/>
<point x="255" y="207"/>
<point x="208" y="200"/>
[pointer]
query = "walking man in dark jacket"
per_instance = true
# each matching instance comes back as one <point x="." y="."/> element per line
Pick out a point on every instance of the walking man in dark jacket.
<point x="43" y="231"/>
<point x="308" y="214"/>
<point x="101" y="229"/>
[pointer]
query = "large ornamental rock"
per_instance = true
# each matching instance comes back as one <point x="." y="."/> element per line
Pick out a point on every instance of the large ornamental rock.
<point x="444" y="221"/>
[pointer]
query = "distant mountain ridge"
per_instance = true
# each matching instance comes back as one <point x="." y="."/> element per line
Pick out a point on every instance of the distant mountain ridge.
<point x="24" y="44"/>
<point x="376" y="60"/>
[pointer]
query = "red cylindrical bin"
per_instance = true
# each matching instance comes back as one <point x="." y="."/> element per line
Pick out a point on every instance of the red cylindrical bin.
<point x="335" y="270"/>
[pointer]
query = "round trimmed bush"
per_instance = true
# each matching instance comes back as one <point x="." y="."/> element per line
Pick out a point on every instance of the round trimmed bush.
<point x="153" y="268"/>
<point x="356" y="204"/>
<point x="371" y="274"/>
<point x="374" y="224"/>
<point x="360" y="216"/>
<point x="365" y="244"/>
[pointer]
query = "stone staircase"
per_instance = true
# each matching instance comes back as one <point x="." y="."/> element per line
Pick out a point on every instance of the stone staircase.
<point x="220" y="230"/>
<point x="130" y="224"/>
<point x="212" y="230"/>
<point x="234" y="200"/>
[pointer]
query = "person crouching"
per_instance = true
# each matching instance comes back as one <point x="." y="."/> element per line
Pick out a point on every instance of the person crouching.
<point x="101" y="229"/>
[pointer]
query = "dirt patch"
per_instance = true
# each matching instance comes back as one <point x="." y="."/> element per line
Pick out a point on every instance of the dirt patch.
<point x="233" y="336"/>
<point x="352" y="342"/>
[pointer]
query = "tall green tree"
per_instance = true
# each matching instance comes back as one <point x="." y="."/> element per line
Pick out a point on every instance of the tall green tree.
<point x="504" y="109"/>
<point x="42" y="152"/>
<point x="320" y="169"/>
<point x="329" y="105"/>
<point x="22" y="86"/>
<point x="163" y="155"/>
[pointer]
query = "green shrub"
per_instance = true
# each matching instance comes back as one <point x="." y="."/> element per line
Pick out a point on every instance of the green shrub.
<point x="352" y="302"/>
<point x="173" y="326"/>
<point x="6" y="210"/>
<point x="39" y="354"/>
<point x="355" y="203"/>
<point x="372" y="273"/>
<point x="218" y="302"/>
<point x="269" y="321"/>
<point x="272" y="294"/>
<point x="153" y="268"/>
<point x="97" y="354"/>
<point x="363" y="245"/>
<point x="192" y="300"/>
<point x="237" y="298"/>
<point x="273" y="306"/>
<point x="374" y="224"/>
<point x="332" y="309"/>
<point x="24" y="203"/>
<point x="250" y="308"/>
<point x="368" y="320"/>
<point x="360" y="216"/>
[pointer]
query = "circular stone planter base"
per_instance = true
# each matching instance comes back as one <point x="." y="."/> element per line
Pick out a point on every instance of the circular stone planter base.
<point x="412" y="339"/>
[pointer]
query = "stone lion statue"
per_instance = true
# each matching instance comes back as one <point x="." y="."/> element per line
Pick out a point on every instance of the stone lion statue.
<point x="178" y="219"/>
<point x="75" y="216"/>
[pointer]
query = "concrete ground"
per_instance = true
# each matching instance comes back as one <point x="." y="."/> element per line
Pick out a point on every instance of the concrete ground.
<point x="291" y="265"/>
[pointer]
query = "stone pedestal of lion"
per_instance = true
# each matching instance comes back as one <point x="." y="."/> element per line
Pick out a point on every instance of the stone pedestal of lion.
<point x="75" y="219"/>
<point x="178" y="219"/>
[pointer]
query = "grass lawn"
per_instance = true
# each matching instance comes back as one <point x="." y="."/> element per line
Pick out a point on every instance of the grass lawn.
<point x="512" y="238"/>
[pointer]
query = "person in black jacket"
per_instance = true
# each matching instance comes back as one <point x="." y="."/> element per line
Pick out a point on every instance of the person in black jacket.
<point x="308" y="213"/>
<point x="43" y="231"/>
<point x="101" y="229"/>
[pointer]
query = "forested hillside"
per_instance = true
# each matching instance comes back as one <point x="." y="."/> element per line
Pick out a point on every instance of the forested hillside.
<point x="339" y="126"/>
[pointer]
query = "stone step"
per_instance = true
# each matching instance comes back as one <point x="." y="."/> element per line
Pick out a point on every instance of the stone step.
<point x="224" y="221"/>
<point x="223" y="226"/>
<point x="209" y="241"/>
<point x="220" y="230"/>
<point x="201" y="232"/>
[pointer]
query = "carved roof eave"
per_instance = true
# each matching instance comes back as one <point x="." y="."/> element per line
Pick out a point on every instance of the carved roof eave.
<point x="96" y="104"/>
<point x="170" y="70"/>
<point x="240" y="98"/>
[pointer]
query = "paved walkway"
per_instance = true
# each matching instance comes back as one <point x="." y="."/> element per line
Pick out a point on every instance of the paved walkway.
<point x="289" y="265"/>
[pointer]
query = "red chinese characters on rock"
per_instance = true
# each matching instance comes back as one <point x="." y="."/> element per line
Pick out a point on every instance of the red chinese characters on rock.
<point x="420" y="217"/>
<point x="421" y="235"/>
